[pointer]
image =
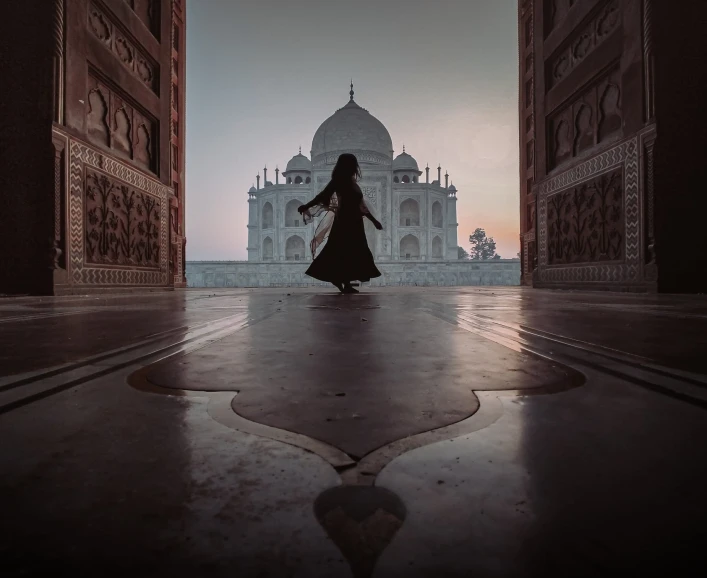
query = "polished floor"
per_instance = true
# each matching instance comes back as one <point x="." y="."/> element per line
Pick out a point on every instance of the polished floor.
<point x="409" y="432"/>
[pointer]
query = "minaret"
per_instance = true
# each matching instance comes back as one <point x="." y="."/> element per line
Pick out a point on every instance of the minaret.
<point x="427" y="170"/>
<point x="439" y="175"/>
<point x="258" y="180"/>
<point x="253" y="244"/>
<point x="446" y="180"/>
<point x="277" y="175"/>
<point x="265" y="176"/>
<point x="452" y="225"/>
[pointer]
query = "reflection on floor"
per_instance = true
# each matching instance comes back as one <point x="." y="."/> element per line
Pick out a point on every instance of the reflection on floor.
<point x="399" y="432"/>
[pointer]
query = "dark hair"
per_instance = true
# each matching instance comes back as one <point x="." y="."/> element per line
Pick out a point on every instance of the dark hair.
<point x="346" y="167"/>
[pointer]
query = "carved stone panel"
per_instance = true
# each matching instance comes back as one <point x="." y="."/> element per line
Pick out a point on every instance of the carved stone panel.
<point x="591" y="119"/>
<point x="585" y="224"/>
<point x="118" y="222"/>
<point x="130" y="55"/>
<point x="584" y="41"/>
<point x="112" y="122"/>
<point x="122" y="223"/>
<point x="589" y="220"/>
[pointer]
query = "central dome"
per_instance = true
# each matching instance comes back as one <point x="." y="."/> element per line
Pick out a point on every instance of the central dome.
<point x="352" y="128"/>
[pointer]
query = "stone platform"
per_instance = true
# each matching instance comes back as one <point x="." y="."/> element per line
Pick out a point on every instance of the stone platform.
<point x="394" y="273"/>
<point x="412" y="432"/>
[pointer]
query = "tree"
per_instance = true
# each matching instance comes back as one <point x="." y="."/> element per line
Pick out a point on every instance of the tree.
<point x="461" y="253"/>
<point x="482" y="247"/>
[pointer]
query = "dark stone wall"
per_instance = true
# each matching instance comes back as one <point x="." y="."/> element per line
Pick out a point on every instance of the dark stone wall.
<point x="92" y="110"/>
<point x="26" y="152"/>
<point x="681" y="149"/>
<point x="615" y="88"/>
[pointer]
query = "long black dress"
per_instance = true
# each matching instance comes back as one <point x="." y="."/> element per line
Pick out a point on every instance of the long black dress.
<point x="346" y="256"/>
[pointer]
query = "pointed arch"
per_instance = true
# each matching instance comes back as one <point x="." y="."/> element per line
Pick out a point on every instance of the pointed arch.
<point x="267" y="216"/>
<point x="437" y="248"/>
<point x="437" y="215"/>
<point x="267" y="249"/>
<point x="294" y="248"/>
<point x="292" y="216"/>
<point x="409" y="213"/>
<point x="409" y="247"/>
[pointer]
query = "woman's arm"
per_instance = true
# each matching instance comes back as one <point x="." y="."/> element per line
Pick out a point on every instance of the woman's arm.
<point x="323" y="198"/>
<point x="373" y="220"/>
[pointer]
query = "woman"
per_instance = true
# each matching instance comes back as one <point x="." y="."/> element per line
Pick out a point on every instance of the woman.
<point x="346" y="256"/>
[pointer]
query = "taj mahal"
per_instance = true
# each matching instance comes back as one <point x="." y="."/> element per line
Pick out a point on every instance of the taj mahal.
<point x="417" y="246"/>
<point x="419" y="218"/>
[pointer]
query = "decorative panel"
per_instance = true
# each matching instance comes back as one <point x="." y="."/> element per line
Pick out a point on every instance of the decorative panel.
<point x="592" y="118"/>
<point x="582" y="42"/>
<point x="112" y="122"/>
<point x="140" y="65"/>
<point x="589" y="226"/>
<point x="122" y="223"/>
<point x="118" y="217"/>
<point x="585" y="224"/>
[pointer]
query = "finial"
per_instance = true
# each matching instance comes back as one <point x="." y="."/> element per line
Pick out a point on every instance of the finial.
<point x="403" y="148"/>
<point x="300" y="149"/>
<point x="351" y="93"/>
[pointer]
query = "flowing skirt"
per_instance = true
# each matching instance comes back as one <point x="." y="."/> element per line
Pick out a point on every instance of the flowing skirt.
<point x="345" y="256"/>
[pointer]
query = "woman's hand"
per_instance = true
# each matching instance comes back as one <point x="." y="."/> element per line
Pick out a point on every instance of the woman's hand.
<point x="378" y="225"/>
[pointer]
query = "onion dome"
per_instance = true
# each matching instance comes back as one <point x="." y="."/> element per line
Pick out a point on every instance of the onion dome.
<point x="352" y="128"/>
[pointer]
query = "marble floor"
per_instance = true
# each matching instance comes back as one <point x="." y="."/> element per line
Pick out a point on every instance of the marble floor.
<point x="402" y="432"/>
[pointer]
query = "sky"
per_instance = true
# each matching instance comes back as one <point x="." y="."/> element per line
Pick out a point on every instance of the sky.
<point x="262" y="75"/>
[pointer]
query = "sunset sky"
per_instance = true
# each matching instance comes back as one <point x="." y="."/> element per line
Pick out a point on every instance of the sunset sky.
<point x="262" y="75"/>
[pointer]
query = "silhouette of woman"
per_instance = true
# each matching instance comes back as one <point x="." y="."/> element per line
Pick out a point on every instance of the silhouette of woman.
<point x="346" y="256"/>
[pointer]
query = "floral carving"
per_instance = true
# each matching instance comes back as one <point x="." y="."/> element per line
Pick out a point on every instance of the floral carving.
<point x="124" y="51"/>
<point x="585" y="41"/>
<point x="144" y="71"/>
<point x="129" y="55"/>
<point x="561" y="66"/>
<point x="122" y="223"/>
<point x="608" y="19"/>
<point x="99" y="25"/>
<point x="585" y="224"/>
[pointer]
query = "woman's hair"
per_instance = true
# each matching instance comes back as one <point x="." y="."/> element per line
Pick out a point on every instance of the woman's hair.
<point x="346" y="167"/>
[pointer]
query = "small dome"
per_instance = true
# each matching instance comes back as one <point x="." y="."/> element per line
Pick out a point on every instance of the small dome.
<point x="298" y="163"/>
<point x="453" y="188"/>
<point x="405" y="162"/>
<point x="252" y="190"/>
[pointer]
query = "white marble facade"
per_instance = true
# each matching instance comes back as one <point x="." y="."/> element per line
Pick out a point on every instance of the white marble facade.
<point x="419" y="217"/>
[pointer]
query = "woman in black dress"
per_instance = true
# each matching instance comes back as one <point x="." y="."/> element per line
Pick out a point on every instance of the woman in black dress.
<point x="346" y="256"/>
